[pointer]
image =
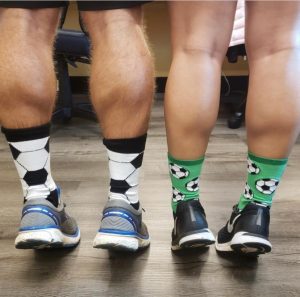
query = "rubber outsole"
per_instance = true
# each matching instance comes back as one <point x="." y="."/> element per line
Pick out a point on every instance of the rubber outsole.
<point x="46" y="239"/>
<point x="120" y="242"/>
<point x="251" y="248"/>
<point x="244" y="243"/>
<point x="194" y="241"/>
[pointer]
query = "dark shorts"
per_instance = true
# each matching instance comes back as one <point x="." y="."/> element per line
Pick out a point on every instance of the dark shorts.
<point x="82" y="5"/>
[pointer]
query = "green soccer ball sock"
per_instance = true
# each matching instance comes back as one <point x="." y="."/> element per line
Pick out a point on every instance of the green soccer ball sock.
<point x="264" y="175"/>
<point x="184" y="176"/>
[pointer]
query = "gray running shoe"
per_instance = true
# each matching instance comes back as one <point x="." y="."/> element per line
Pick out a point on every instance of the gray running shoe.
<point x="121" y="228"/>
<point x="45" y="226"/>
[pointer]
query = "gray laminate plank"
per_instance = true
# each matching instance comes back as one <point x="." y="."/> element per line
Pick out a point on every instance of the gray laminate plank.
<point x="80" y="167"/>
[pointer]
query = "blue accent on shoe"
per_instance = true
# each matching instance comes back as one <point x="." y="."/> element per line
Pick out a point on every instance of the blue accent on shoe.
<point x="123" y="233"/>
<point x="121" y="214"/>
<point x="41" y="209"/>
<point x="39" y="228"/>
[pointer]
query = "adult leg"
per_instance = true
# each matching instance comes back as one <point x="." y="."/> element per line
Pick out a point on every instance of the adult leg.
<point x="200" y="38"/>
<point x="27" y="95"/>
<point x="28" y="84"/>
<point x="201" y="33"/>
<point x="122" y="71"/>
<point x="122" y="91"/>
<point x="272" y="115"/>
<point x="273" y="105"/>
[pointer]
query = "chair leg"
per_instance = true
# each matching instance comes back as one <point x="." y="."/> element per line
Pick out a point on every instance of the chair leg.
<point x="236" y="120"/>
<point x="64" y="102"/>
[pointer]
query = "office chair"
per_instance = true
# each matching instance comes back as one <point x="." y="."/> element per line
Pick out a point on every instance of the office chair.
<point x="71" y="47"/>
<point x="236" y="98"/>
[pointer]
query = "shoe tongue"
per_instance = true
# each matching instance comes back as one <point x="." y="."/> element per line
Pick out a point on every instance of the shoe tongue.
<point x="54" y="197"/>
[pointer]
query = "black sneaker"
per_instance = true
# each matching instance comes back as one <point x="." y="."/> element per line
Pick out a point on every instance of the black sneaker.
<point x="190" y="226"/>
<point x="247" y="231"/>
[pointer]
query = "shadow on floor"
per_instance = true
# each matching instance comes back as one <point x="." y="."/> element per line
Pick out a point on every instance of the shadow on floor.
<point x="125" y="269"/>
<point x="241" y="268"/>
<point x="44" y="266"/>
<point x="190" y="262"/>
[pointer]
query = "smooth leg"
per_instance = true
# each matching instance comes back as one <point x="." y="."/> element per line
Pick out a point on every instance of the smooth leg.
<point x="273" y="104"/>
<point x="200" y="37"/>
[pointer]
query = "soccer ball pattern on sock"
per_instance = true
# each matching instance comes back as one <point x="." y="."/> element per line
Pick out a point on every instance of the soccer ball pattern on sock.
<point x="124" y="170"/>
<point x="177" y="195"/>
<point x="262" y="181"/>
<point x="32" y="160"/>
<point x="178" y="171"/>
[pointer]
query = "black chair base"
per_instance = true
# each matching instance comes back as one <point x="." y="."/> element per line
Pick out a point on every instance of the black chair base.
<point x="237" y="100"/>
<point x="80" y="110"/>
<point x="71" y="47"/>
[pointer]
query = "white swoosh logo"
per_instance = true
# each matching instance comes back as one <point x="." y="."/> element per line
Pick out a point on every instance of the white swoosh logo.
<point x="230" y="226"/>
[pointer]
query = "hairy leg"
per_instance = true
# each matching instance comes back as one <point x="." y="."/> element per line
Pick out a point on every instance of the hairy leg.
<point x="122" y="91"/>
<point x="27" y="84"/>
<point x="273" y="104"/>
<point x="27" y="95"/>
<point x="200" y="37"/>
<point x="122" y="71"/>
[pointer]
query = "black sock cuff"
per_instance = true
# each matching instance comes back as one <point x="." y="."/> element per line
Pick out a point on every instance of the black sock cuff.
<point x="26" y="134"/>
<point x="126" y="145"/>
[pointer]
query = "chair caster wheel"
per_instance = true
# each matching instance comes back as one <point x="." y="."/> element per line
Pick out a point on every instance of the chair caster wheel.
<point x="235" y="121"/>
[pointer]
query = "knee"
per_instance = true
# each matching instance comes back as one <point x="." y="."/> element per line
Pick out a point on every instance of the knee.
<point x="197" y="48"/>
<point x="260" y="46"/>
<point x="99" y="23"/>
<point x="17" y="25"/>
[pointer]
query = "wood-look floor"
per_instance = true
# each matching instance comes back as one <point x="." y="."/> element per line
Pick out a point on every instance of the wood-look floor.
<point x="79" y="165"/>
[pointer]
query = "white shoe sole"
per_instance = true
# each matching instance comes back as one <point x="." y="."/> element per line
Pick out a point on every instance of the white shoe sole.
<point x="45" y="238"/>
<point x="198" y="240"/>
<point x="119" y="242"/>
<point x="244" y="243"/>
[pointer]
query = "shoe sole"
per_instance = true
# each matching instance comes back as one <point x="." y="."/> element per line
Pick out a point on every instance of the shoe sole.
<point x="45" y="239"/>
<point x="198" y="240"/>
<point x="245" y="244"/>
<point x="119" y="242"/>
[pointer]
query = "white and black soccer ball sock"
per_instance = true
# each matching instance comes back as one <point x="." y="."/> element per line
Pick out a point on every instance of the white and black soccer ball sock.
<point x="125" y="157"/>
<point x="30" y="151"/>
